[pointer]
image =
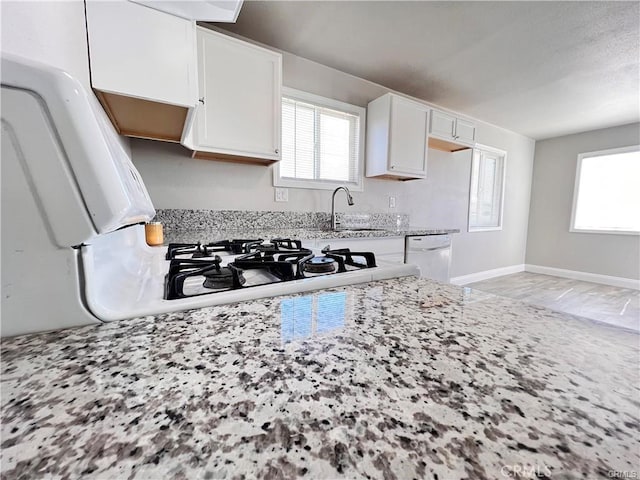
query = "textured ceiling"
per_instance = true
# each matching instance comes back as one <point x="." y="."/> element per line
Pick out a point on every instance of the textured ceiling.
<point x="543" y="69"/>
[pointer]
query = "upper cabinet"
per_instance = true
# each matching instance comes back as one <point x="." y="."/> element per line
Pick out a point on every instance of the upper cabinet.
<point x="450" y="133"/>
<point x="239" y="113"/>
<point x="397" y="138"/>
<point x="143" y="68"/>
<point x="199" y="10"/>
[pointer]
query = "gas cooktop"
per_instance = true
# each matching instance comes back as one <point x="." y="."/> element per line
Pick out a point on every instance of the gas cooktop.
<point x="201" y="269"/>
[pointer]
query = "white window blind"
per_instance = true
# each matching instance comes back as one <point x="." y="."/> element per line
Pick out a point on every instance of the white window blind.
<point x="321" y="143"/>
<point x="486" y="189"/>
<point x="607" y="192"/>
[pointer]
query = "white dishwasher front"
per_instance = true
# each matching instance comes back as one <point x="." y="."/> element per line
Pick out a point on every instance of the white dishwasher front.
<point x="431" y="253"/>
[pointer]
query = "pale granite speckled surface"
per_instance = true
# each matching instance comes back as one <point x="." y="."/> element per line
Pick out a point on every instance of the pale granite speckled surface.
<point x="402" y="378"/>
<point x="185" y="219"/>
<point x="188" y="226"/>
<point x="212" y="235"/>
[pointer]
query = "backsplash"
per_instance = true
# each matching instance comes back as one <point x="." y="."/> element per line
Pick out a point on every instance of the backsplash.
<point x="184" y="219"/>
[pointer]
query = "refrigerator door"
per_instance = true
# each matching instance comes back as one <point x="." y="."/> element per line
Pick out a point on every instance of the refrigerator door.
<point x="84" y="180"/>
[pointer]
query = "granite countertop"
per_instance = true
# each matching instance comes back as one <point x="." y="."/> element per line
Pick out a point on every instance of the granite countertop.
<point x="215" y="234"/>
<point x="403" y="378"/>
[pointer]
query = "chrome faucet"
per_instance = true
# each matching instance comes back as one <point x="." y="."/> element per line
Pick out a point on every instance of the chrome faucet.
<point x="334" y="224"/>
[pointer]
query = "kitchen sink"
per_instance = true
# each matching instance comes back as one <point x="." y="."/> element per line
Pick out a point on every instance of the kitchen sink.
<point x="357" y="229"/>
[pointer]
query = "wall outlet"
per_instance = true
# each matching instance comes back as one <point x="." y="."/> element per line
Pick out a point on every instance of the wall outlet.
<point x="282" y="194"/>
<point x="392" y="201"/>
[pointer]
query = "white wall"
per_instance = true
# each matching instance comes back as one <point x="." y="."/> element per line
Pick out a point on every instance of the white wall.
<point x="175" y="180"/>
<point x="442" y="199"/>
<point x="51" y="32"/>
<point x="550" y="243"/>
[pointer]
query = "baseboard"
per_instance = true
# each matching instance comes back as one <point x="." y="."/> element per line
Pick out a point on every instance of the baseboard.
<point x="496" y="272"/>
<point x="557" y="272"/>
<point x="585" y="276"/>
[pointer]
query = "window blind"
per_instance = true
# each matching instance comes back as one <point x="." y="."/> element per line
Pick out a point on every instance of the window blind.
<point x="319" y="143"/>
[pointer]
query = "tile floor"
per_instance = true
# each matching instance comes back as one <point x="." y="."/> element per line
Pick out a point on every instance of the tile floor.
<point x="603" y="303"/>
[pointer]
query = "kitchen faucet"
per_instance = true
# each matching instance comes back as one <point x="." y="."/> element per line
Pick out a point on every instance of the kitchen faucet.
<point x="334" y="224"/>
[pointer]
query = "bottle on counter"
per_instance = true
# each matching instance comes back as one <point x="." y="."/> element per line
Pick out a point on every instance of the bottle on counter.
<point x="153" y="233"/>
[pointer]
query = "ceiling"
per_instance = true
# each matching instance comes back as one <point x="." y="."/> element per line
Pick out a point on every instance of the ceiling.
<point x="543" y="69"/>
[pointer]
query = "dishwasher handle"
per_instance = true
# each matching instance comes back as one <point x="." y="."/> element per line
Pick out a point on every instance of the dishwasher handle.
<point x="427" y="243"/>
<point x="429" y="249"/>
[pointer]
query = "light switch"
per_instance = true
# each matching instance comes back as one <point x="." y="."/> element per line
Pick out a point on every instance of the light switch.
<point x="282" y="194"/>
<point x="392" y="201"/>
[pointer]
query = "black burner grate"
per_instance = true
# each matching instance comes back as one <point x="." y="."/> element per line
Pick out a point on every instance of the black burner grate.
<point x="282" y="258"/>
<point x="182" y="269"/>
<point x="197" y="250"/>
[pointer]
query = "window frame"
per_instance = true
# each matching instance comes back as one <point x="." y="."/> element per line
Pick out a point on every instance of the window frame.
<point x="503" y="155"/>
<point x="330" y="103"/>
<point x="576" y="188"/>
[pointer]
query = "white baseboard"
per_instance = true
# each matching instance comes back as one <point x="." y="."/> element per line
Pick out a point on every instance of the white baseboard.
<point x="585" y="276"/>
<point x="557" y="272"/>
<point x="496" y="272"/>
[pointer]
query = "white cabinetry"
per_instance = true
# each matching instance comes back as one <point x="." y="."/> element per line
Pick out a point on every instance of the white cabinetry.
<point x="239" y="115"/>
<point x="450" y="133"/>
<point x="397" y="138"/>
<point x="201" y="11"/>
<point x="143" y="67"/>
<point x="465" y="132"/>
<point x="387" y="249"/>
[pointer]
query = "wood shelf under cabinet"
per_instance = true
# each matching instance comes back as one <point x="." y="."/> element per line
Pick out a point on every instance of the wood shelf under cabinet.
<point x="394" y="177"/>
<point x="221" y="157"/>
<point x="135" y="117"/>
<point x="445" y="146"/>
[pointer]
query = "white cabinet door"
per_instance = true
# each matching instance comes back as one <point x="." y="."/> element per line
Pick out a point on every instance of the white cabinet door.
<point x="139" y="52"/>
<point x="465" y="132"/>
<point x="240" y="94"/>
<point x="408" y="137"/>
<point x="454" y="131"/>
<point x="443" y="124"/>
<point x="397" y="130"/>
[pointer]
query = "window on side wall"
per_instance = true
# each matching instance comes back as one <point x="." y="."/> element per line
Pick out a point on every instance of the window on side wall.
<point x="322" y="143"/>
<point x="607" y="192"/>
<point x="486" y="191"/>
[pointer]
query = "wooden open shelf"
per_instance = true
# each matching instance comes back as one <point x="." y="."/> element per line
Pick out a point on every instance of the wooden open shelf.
<point x="395" y="177"/>
<point x="446" y="146"/>
<point x="231" y="158"/>
<point x="135" y="117"/>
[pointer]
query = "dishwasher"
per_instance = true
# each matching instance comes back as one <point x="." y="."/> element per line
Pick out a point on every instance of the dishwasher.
<point x="431" y="253"/>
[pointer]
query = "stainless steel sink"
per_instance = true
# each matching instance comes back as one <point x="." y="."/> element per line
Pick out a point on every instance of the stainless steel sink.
<point x="357" y="229"/>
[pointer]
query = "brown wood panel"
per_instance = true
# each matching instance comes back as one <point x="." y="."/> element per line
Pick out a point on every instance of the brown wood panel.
<point x="135" y="117"/>
<point x="394" y="177"/>
<point x="231" y="158"/>
<point x="445" y="146"/>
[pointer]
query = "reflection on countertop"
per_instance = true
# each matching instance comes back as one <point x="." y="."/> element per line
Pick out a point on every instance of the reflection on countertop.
<point x="403" y="378"/>
<point x="311" y="315"/>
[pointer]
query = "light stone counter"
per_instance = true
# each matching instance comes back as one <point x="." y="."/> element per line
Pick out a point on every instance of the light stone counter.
<point x="402" y="378"/>
<point x="215" y="234"/>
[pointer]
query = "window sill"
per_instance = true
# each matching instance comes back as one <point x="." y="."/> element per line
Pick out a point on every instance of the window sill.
<point x="484" y="229"/>
<point x="606" y="232"/>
